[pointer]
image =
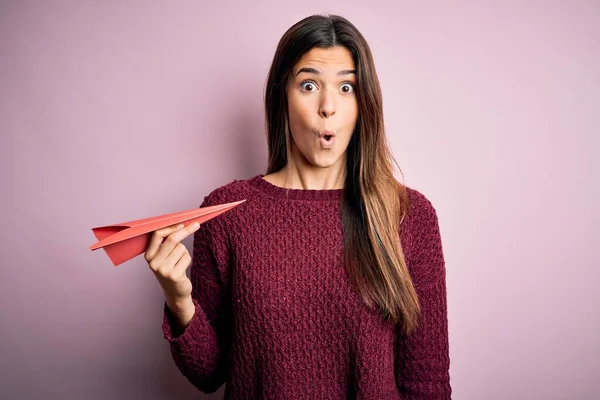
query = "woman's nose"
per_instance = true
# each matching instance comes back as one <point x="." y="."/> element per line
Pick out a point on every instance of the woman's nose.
<point x="327" y="106"/>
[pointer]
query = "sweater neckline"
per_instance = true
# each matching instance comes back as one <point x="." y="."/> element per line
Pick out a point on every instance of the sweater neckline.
<point x="294" y="194"/>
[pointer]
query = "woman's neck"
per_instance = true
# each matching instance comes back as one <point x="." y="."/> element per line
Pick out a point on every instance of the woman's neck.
<point x="294" y="176"/>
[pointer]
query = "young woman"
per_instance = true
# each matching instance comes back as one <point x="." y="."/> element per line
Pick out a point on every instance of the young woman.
<point x="329" y="281"/>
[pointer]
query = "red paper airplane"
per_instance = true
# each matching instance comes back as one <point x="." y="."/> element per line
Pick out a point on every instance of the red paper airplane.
<point x="126" y="240"/>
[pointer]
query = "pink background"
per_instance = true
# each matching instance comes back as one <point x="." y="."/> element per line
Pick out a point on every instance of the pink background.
<point x="112" y="111"/>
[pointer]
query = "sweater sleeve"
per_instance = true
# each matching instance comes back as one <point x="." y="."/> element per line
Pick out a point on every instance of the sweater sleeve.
<point x="201" y="350"/>
<point x="422" y="358"/>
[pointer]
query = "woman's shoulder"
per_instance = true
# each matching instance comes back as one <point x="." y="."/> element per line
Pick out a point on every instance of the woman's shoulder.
<point x="421" y="239"/>
<point x="419" y="206"/>
<point x="234" y="190"/>
<point x="420" y="218"/>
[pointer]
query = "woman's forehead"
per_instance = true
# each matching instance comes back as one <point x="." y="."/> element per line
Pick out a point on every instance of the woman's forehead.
<point x="333" y="59"/>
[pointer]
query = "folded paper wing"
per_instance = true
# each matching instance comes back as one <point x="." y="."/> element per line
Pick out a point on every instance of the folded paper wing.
<point x="126" y="240"/>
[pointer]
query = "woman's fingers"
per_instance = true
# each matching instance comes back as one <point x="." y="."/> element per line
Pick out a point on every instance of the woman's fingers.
<point x="166" y="268"/>
<point x="181" y="266"/>
<point x="168" y="259"/>
<point x="157" y="238"/>
<point x="172" y="241"/>
<point x="159" y="249"/>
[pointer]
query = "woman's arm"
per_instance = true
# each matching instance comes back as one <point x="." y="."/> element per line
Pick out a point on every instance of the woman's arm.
<point x="422" y="359"/>
<point x="200" y="349"/>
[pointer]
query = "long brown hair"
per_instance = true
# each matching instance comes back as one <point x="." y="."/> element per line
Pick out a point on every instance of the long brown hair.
<point x="374" y="202"/>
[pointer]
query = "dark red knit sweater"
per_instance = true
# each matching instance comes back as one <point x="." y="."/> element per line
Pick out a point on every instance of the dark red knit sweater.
<point x="276" y="317"/>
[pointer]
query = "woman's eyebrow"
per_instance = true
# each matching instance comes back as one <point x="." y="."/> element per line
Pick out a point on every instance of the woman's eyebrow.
<point x="317" y="72"/>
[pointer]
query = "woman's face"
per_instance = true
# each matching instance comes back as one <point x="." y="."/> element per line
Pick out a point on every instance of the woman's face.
<point x="322" y="106"/>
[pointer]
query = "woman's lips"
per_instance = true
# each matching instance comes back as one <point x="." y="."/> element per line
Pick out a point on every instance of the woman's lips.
<point x="326" y="139"/>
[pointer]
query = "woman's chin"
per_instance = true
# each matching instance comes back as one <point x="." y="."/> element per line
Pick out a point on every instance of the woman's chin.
<point x="325" y="161"/>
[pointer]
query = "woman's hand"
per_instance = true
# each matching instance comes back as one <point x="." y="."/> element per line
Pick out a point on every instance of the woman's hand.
<point x="169" y="259"/>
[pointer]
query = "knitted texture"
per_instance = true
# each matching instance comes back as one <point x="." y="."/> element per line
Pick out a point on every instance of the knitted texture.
<point x="277" y="318"/>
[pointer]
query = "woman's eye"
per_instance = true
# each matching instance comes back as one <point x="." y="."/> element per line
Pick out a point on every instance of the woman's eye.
<point x="307" y="86"/>
<point x="347" y="88"/>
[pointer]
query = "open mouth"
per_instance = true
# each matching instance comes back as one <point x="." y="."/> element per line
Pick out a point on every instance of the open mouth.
<point x="327" y="141"/>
